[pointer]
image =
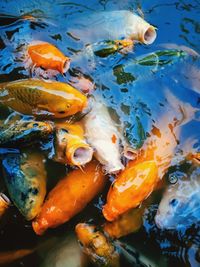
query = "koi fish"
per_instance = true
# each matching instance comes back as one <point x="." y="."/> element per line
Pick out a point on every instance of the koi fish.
<point x="71" y="147"/>
<point x="114" y="25"/>
<point x="180" y="204"/>
<point x="25" y="178"/>
<point x="48" y="56"/>
<point x="38" y="97"/>
<point x="4" y="204"/>
<point x="10" y="256"/>
<point x="140" y="177"/>
<point x="127" y="223"/>
<point x="101" y="133"/>
<point x="95" y="244"/>
<point x="130" y="188"/>
<point x="69" y="197"/>
<point x="66" y="252"/>
<point x="24" y="132"/>
<point x="136" y="182"/>
<point x="106" y="48"/>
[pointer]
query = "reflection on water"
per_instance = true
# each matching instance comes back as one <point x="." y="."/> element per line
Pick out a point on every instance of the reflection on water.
<point x="134" y="87"/>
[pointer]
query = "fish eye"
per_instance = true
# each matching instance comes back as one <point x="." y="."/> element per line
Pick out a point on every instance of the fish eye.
<point x="35" y="124"/>
<point x="68" y="106"/>
<point x="61" y="112"/>
<point x="64" y="130"/>
<point x="173" y="202"/>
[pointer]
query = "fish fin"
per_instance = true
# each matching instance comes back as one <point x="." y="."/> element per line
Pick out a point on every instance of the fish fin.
<point x="185" y="109"/>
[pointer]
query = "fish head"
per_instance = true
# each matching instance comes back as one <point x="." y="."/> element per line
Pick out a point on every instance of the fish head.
<point x="61" y="108"/>
<point x="179" y="206"/>
<point x="139" y="30"/>
<point x="167" y="216"/>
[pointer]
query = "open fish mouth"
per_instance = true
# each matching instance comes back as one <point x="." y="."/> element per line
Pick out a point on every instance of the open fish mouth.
<point x="149" y="35"/>
<point x="82" y="155"/>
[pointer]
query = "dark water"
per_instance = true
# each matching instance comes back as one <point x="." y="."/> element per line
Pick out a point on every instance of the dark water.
<point x="135" y="93"/>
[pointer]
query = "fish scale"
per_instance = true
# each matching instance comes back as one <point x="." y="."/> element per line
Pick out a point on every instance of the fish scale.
<point x="29" y="95"/>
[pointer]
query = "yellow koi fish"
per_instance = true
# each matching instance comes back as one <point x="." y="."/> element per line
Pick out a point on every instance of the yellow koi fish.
<point x="38" y="97"/>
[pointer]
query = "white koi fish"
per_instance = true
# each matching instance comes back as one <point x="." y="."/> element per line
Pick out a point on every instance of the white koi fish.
<point x="102" y="135"/>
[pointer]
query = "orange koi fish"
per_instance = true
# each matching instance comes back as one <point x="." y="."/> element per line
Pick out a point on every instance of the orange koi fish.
<point x="71" y="147"/>
<point x="42" y="98"/>
<point x="136" y="182"/>
<point x="48" y="56"/>
<point x="69" y="197"/>
<point x="140" y="177"/>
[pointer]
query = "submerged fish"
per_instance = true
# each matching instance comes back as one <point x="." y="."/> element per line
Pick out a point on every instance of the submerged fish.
<point x="103" y="136"/>
<point x="25" y="178"/>
<point x="11" y="256"/>
<point x="71" y="147"/>
<point x="180" y="204"/>
<point x="113" y="25"/>
<point x="48" y="56"/>
<point x="66" y="252"/>
<point x="70" y="196"/>
<point x="127" y="223"/>
<point x="97" y="246"/>
<point x="106" y="48"/>
<point x="4" y="204"/>
<point x="24" y="132"/>
<point x="38" y="97"/>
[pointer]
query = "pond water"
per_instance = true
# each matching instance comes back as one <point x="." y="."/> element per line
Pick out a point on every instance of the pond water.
<point x="134" y="87"/>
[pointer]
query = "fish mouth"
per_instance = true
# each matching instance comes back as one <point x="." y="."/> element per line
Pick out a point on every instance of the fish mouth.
<point x="80" y="155"/>
<point x="149" y="35"/>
